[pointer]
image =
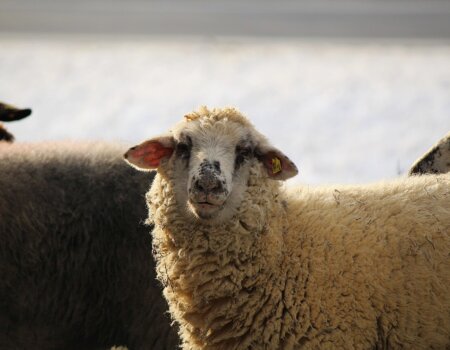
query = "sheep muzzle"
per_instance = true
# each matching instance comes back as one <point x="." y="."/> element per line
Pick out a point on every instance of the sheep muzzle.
<point x="208" y="191"/>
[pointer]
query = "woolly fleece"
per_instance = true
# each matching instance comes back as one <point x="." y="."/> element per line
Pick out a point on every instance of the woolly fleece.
<point x="340" y="267"/>
<point x="75" y="257"/>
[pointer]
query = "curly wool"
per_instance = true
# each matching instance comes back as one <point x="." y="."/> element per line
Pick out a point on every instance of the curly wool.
<point x="218" y="114"/>
<point x="342" y="267"/>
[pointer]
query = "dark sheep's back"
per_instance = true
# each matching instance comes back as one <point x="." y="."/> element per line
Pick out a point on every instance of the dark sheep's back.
<point x="75" y="256"/>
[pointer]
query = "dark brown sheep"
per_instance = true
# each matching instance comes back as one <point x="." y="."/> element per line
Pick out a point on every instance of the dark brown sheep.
<point x="76" y="260"/>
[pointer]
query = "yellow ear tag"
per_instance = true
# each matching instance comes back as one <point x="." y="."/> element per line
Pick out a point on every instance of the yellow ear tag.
<point x="276" y="165"/>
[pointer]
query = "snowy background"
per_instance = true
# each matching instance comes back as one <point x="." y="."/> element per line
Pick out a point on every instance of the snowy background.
<point x="344" y="110"/>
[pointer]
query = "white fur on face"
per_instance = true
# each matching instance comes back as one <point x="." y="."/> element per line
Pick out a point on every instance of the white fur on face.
<point x="214" y="144"/>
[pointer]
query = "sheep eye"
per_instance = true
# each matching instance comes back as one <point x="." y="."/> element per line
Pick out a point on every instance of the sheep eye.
<point x="183" y="150"/>
<point x="242" y="154"/>
<point x="243" y="151"/>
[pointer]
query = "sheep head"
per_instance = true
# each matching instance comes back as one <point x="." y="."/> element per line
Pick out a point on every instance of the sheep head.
<point x="209" y="156"/>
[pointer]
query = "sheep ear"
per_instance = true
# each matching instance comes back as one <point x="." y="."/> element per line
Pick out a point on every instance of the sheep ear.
<point x="149" y="154"/>
<point x="277" y="164"/>
<point x="10" y="113"/>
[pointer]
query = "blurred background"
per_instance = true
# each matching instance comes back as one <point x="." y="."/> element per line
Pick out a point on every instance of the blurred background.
<point x="352" y="91"/>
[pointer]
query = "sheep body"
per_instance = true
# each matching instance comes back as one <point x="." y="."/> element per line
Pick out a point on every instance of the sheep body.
<point x="75" y="258"/>
<point x="338" y="267"/>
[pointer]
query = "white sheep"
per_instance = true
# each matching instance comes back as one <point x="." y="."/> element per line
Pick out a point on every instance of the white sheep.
<point x="247" y="264"/>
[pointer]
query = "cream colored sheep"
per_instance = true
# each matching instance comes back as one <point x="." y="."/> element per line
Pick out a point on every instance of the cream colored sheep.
<point x="247" y="264"/>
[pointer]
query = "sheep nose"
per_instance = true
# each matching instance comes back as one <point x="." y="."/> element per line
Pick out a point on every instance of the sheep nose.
<point x="208" y="184"/>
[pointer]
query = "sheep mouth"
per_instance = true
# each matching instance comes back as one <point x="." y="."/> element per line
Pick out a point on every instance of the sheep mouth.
<point x="207" y="204"/>
<point x="205" y="209"/>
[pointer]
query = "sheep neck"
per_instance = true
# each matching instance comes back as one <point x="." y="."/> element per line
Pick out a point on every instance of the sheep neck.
<point x="223" y="282"/>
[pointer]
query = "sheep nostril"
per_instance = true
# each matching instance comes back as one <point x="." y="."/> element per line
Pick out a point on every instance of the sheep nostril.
<point x="206" y="185"/>
<point x="198" y="186"/>
<point x="217" y="188"/>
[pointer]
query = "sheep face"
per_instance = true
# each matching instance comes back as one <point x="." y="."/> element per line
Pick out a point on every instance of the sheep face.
<point x="210" y="169"/>
<point x="209" y="158"/>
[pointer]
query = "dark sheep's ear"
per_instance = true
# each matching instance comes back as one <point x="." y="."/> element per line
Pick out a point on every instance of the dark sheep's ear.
<point x="276" y="163"/>
<point x="149" y="154"/>
<point x="5" y="135"/>
<point x="435" y="161"/>
<point x="9" y="113"/>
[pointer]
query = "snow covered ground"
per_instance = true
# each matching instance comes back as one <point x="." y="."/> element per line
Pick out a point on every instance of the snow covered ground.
<point x="344" y="111"/>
